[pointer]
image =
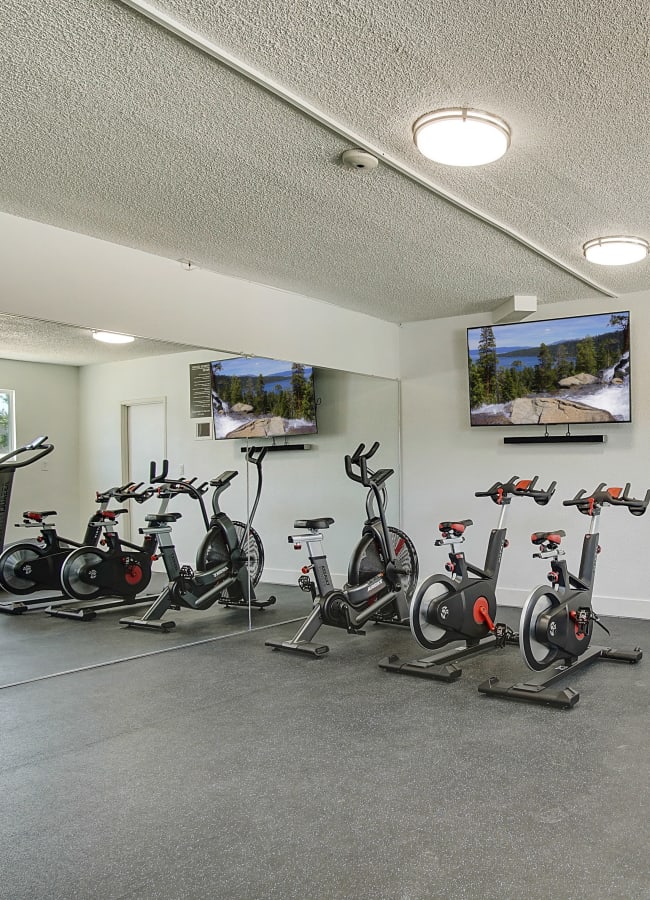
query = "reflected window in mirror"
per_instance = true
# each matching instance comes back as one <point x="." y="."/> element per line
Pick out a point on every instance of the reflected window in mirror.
<point x="7" y="421"/>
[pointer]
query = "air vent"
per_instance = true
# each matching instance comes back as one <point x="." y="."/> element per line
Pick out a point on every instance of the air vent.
<point x="203" y="430"/>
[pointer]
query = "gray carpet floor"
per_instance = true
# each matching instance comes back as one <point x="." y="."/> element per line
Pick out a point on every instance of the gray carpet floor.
<point x="228" y="770"/>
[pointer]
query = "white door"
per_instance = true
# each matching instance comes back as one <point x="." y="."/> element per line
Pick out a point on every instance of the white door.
<point x="144" y="439"/>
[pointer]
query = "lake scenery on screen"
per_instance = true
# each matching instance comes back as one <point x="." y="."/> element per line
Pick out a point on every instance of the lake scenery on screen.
<point x="258" y="397"/>
<point x="557" y="371"/>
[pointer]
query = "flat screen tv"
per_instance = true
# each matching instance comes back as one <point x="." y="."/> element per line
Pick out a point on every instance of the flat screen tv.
<point x="552" y="372"/>
<point x="257" y="397"/>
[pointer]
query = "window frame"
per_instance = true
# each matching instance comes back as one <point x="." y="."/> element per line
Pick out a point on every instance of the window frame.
<point x="10" y="394"/>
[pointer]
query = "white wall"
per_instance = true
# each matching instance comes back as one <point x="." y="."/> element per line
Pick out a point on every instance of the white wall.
<point x="50" y="273"/>
<point x="445" y="461"/>
<point x="354" y="408"/>
<point x="47" y="402"/>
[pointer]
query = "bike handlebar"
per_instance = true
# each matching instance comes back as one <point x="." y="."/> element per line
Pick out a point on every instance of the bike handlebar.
<point x="255" y="455"/>
<point x="365" y="476"/>
<point x="612" y="496"/>
<point x="176" y="485"/>
<point x="501" y="491"/>
<point x="39" y="445"/>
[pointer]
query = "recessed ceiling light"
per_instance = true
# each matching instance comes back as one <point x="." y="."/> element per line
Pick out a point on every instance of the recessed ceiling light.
<point x="109" y="337"/>
<point x="619" y="250"/>
<point x="461" y="137"/>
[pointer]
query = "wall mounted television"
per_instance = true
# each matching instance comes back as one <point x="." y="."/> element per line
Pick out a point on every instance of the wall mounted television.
<point x="565" y="371"/>
<point x="258" y="397"/>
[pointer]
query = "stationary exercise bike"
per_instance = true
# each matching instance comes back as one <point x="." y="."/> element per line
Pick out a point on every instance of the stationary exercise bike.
<point x="462" y="606"/>
<point x="30" y="566"/>
<point x="556" y="624"/>
<point x="382" y="573"/>
<point x="226" y="573"/>
<point x="107" y="578"/>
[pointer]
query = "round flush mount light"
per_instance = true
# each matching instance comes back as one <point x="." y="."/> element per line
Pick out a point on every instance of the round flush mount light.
<point x="461" y="137"/>
<point x="109" y="337"/>
<point x="618" y="250"/>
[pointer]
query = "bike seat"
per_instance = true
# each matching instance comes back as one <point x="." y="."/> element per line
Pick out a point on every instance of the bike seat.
<point x="313" y="524"/>
<point x="555" y="537"/>
<point x="163" y="517"/>
<point x="457" y="528"/>
<point x="110" y="514"/>
<point x="37" y="516"/>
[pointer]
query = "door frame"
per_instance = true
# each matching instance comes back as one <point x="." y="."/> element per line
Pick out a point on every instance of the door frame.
<point x="125" y="405"/>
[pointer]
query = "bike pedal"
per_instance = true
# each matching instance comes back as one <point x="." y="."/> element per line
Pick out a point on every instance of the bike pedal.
<point x="501" y="633"/>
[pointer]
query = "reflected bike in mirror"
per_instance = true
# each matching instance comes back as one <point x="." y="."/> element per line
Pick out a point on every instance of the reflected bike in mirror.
<point x="225" y="572"/>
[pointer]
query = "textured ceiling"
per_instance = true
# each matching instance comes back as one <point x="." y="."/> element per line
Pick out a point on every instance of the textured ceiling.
<point x="111" y="126"/>
<point x="33" y="340"/>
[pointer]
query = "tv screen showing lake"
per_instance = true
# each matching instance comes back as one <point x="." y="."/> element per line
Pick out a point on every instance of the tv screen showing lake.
<point x="551" y="372"/>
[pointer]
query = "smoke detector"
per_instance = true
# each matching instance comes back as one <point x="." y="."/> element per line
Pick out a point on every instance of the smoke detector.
<point x="359" y="159"/>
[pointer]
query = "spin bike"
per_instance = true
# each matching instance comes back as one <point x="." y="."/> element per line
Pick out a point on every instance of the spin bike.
<point x="27" y="567"/>
<point x="462" y="606"/>
<point x="226" y="572"/>
<point x="382" y="574"/>
<point x="106" y="578"/>
<point x="556" y="624"/>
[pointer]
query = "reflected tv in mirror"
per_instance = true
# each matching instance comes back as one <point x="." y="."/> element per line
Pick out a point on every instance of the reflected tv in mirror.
<point x="565" y="371"/>
<point x="258" y="397"/>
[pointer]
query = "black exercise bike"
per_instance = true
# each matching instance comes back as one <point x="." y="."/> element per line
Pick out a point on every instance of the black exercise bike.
<point x="28" y="567"/>
<point x="557" y="621"/>
<point x="229" y="561"/>
<point x="382" y="574"/>
<point x="113" y="573"/>
<point x="462" y="606"/>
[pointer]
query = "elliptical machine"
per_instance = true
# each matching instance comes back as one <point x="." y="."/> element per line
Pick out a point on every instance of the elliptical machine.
<point x="382" y="573"/>
<point x="556" y="624"/>
<point x="222" y="562"/>
<point x="462" y="606"/>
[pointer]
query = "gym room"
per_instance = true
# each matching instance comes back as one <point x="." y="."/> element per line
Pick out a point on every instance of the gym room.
<point x="368" y="285"/>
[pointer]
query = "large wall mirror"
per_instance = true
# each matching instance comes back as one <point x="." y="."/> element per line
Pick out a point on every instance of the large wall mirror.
<point x="109" y="410"/>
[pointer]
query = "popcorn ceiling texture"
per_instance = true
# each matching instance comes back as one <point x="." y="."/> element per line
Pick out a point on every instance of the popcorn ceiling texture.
<point x="112" y="127"/>
<point x="48" y="342"/>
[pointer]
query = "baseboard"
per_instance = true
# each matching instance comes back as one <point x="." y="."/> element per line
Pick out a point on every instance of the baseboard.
<point x="621" y="607"/>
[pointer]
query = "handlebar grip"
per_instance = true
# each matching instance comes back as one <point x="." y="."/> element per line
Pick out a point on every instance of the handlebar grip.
<point x="349" y="471"/>
<point x="37" y="442"/>
<point x="354" y="458"/>
<point x="153" y="477"/>
<point x="490" y="491"/>
<point x="255" y="455"/>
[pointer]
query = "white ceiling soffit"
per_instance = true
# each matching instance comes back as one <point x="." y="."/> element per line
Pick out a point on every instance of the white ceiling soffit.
<point x="112" y="126"/>
<point x="34" y="340"/>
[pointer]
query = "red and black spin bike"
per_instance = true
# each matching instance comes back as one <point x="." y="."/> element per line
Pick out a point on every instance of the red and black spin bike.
<point x="557" y="620"/>
<point x="112" y="574"/>
<point x="462" y="605"/>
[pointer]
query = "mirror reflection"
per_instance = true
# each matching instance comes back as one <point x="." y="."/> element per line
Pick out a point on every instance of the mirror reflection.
<point x="108" y="410"/>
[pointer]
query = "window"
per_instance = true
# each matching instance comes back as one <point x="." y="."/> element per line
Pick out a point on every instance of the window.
<point x="7" y="421"/>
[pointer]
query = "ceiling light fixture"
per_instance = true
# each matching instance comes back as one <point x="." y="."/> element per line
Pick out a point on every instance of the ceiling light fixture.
<point x="461" y="137"/>
<point x="109" y="337"/>
<point x="618" y="250"/>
